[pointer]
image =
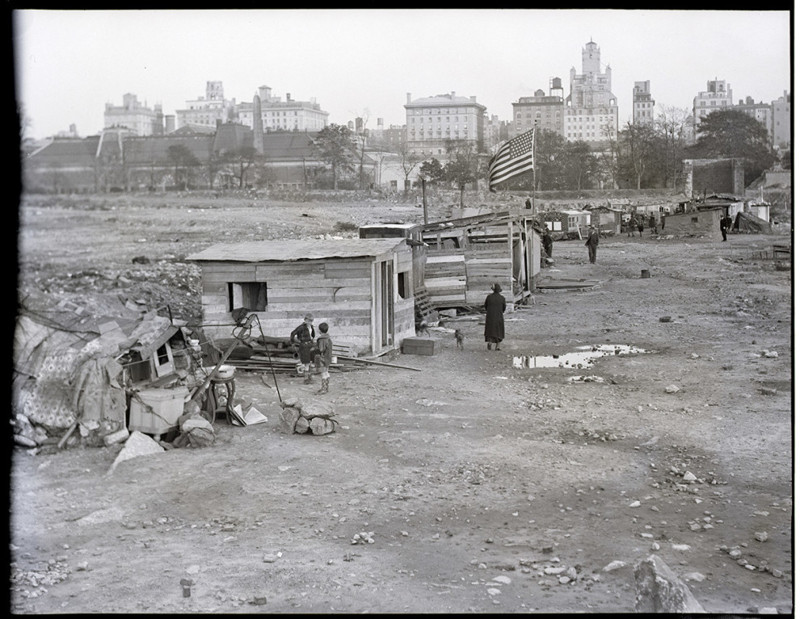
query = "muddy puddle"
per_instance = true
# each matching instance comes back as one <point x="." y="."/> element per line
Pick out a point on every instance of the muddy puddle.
<point x="584" y="357"/>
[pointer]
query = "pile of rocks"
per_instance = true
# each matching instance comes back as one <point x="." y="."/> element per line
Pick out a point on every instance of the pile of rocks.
<point x="315" y="416"/>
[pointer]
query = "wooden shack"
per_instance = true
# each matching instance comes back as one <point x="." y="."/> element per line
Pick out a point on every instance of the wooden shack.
<point x="694" y="223"/>
<point x="607" y="220"/>
<point x="466" y="256"/>
<point x="567" y="224"/>
<point x="361" y="287"/>
<point x="412" y="233"/>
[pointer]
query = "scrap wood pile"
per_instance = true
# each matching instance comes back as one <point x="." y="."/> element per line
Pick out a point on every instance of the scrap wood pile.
<point x="278" y="354"/>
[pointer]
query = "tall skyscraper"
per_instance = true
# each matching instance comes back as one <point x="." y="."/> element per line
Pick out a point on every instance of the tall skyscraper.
<point x="592" y="112"/>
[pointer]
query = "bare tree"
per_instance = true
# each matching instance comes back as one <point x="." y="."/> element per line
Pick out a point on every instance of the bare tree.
<point x="408" y="161"/>
<point x="640" y="141"/>
<point x="671" y="124"/>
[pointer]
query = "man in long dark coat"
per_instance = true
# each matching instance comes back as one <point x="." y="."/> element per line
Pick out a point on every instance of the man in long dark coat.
<point x="495" y="330"/>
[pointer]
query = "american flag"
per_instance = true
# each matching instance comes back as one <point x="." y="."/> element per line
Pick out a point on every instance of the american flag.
<point x="515" y="157"/>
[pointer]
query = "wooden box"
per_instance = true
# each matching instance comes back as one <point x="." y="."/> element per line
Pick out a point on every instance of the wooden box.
<point x="166" y="405"/>
<point x="420" y="346"/>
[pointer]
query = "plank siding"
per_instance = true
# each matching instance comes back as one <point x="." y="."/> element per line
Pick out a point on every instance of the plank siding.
<point x="337" y="290"/>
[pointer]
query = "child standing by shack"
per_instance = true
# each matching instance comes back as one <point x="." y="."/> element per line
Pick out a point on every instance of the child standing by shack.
<point x="325" y="348"/>
<point x="303" y="338"/>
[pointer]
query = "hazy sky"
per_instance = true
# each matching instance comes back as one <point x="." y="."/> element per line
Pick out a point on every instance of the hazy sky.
<point x="359" y="62"/>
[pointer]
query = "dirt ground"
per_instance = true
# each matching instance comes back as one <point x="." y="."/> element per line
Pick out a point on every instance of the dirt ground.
<point x="470" y="485"/>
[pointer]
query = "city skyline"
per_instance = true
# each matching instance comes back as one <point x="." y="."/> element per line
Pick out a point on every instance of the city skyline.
<point x="70" y="64"/>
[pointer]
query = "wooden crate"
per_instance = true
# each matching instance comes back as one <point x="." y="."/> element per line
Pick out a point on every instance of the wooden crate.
<point x="165" y="406"/>
<point x="420" y="346"/>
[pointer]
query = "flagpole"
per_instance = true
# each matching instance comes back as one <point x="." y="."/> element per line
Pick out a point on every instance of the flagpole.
<point x="533" y="162"/>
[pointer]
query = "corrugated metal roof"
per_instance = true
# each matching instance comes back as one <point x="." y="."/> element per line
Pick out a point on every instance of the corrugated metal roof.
<point x="289" y="251"/>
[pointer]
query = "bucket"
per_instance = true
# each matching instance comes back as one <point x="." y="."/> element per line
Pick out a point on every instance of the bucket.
<point x="645" y="273"/>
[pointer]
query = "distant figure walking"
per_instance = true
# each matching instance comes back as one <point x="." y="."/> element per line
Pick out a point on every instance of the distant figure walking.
<point x="495" y="306"/>
<point x="547" y="242"/>
<point x="724" y="226"/>
<point x="592" y="242"/>
<point x="640" y="225"/>
<point x="652" y="224"/>
<point x="630" y="227"/>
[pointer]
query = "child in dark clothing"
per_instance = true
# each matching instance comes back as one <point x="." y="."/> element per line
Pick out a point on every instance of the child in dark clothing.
<point x="303" y="338"/>
<point x="325" y="348"/>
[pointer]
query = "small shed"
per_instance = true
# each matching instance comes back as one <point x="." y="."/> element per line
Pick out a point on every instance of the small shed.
<point x="566" y="224"/>
<point x="466" y="256"/>
<point x="361" y="287"/>
<point x="759" y="209"/>
<point x="608" y="220"/>
<point x="703" y="222"/>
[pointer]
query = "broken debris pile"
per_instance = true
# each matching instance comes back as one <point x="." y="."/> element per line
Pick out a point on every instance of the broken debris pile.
<point x="315" y="416"/>
<point x="79" y="364"/>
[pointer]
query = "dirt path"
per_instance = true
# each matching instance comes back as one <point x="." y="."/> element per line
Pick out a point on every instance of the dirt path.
<point x="484" y="487"/>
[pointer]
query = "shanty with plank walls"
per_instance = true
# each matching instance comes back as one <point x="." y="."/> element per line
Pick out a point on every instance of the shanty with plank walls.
<point x="361" y="287"/>
<point x="466" y="256"/>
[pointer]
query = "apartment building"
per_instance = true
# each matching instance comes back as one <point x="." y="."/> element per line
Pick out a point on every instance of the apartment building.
<point x="591" y="113"/>
<point x="762" y="112"/>
<point x="643" y="104"/>
<point x="782" y="121"/>
<point x="282" y="115"/>
<point x="135" y="116"/>
<point x="717" y="96"/>
<point x="495" y="132"/>
<point x="546" y="112"/>
<point x="433" y="121"/>
<point x="388" y="138"/>
<point x="207" y="111"/>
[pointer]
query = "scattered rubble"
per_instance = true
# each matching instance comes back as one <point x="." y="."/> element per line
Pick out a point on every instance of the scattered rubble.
<point x="658" y="589"/>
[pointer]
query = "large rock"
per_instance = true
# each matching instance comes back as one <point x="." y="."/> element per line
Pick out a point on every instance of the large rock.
<point x="138" y="444"/>
<point x="320" y="426"/>
<point x="658" y="589"/>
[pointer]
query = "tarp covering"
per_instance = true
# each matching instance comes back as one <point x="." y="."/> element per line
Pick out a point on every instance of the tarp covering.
<point x="64" y="375"/>
<point x="745" y="222"/>
<point x="61" y="378"/>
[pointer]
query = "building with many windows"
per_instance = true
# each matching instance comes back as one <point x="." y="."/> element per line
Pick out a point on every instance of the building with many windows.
<point x="591" y="113"/>
<point x="135" y="116"/>
<point x="643" y="104"/>
<point x="782" y="121"/>
<point x="279" y="115"/>
<point x="207" y="111"/>
<point x="717" y="96"/>
<point x="546" y="112"/>
<point x="762" y="112"/>
<point x="388" y="138"/>
<point x="433" y="121"/>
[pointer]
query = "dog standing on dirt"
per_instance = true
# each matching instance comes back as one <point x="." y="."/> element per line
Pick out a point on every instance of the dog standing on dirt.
<point x="422" y="329"/>
<point x="459" y="339"/>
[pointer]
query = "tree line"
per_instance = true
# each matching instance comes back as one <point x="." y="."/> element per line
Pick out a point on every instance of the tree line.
<point x="643" y="156"/>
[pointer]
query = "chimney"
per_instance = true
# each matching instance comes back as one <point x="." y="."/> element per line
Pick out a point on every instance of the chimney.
<point x="408" y="97"/>
<point x="452" y="94"/>
<point x="288" y="96"/>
